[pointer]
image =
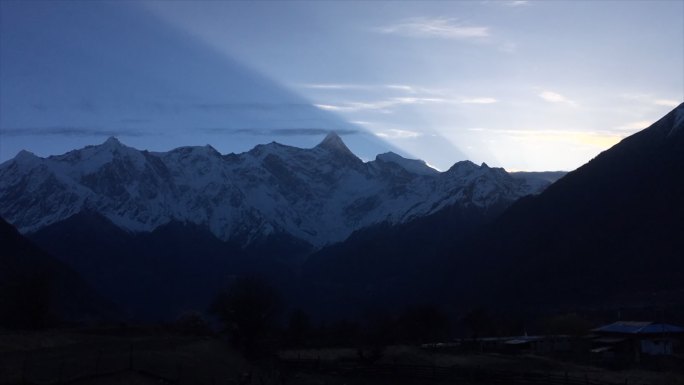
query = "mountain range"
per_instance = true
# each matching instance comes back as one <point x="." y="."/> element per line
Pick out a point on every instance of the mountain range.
<point x="175" y="226"/>
<point x="160" y="233"/>
<point x="604" y="237"/>
<point x="319" y="195"/>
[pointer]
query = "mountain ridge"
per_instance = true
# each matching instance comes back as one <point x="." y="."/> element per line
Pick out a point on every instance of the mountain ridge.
<point x="320" y="195"/>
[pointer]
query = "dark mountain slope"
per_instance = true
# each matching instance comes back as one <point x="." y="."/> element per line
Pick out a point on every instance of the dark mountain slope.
<point x="37" y="291"/>
<point x="610" y="232"/>
<point x="390" y="267"/>
<point x="159" y="275"/>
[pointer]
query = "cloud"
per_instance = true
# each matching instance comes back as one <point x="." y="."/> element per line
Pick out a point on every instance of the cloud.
<point x="304" y="131"/>
<point x="69" y="131"/>
<point x="371" y="87"/>
<point x="335" y="86"/>
<point x="402" y="87"/>
<point x="667" y="102"/>
<point x="597" y="139"/>
<point x="218" y="107"/>
<point x="517" y="3"/>
<point x="554" y="97"/>
<point x="386" y="104"/>
<point x="646" y="98"/>
<point x="394" y="133"/>
<point x="134" y="120"/>
<point x="479" y="101"/>
<point x="635" y="126"/>
<point x="440" y="27"/>
<point x="508" y="47"/>
<point x="380" y="105"/>
<point x="329" y="107"/>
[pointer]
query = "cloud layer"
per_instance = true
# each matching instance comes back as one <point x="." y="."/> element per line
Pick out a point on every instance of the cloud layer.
<point x="440" y="27"/>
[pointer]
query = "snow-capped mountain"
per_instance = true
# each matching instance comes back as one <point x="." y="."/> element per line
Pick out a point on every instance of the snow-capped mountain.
<point x="319" y="195"/>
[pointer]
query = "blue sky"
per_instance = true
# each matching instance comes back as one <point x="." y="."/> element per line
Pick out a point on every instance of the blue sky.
<point x="525" y="85"/>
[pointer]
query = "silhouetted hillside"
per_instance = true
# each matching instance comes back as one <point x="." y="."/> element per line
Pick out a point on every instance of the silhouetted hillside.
<point x="38" y="291"/>
<point x="610" y="232"/>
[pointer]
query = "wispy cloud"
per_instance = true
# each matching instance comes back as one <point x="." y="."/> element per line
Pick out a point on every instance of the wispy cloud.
<point x="479" y="101"/>
<point x="405" y="88"/>
<point x="646" y="98"/>
<point x="221" y="107"/>
<point x="597" y="139"/>
<point x="517" y="3"/>
<point x="667" y="102"/>
<point x="385" y="105"/>
<point x="335" y="86"/>
<point x="394" y="133"/>
<point x="554" y="97"/>
<point x="508" y="47"/>
<point x="69" y="131"/>
<point x="439" y="27"/>
<point x="401" y="87"/>
<point x="634" y="126"/>
<point x="507" y="3"/>
<point x="303" y="131"/>
<point x="134" y="120"/>
<point x="379" y="105"/>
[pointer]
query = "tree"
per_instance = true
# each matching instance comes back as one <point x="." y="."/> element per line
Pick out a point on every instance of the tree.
<point x="424" y="323"/>
<point x="26" y="302"/>
<point x="247" y="310"/>
<point x="299" y="328"/>
<point x="479" y="322"/>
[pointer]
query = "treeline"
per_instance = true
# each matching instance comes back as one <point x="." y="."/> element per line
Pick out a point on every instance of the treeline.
<point x="255" y="319"/>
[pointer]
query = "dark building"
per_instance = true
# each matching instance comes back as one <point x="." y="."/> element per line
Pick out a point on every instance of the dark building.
<point x="629" y="341"/>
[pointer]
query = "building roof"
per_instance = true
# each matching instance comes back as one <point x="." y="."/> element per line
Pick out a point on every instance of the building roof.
<point x="630" y="327"/>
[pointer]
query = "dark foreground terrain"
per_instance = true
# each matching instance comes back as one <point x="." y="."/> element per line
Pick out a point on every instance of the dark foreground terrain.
<point x="125" y="356"/>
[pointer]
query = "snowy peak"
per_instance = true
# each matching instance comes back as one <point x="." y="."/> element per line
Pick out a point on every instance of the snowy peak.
<point x="463" y="166"/>
<point x="112" y="142"/>
<point x="319" y="195"/>
<point x="415" y="166"/>
<point x="334" y="144"/>
<point x="26" y="156"/>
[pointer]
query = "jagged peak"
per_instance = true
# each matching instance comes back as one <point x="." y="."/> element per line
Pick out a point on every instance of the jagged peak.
<point x="389" y="156"/>
<point x="332" y="140"/>
<point x="23" y="155"/>
<point x="464" y="164"/>
<point x="112" y="141"/>
<point x="25" y="158"/>
<point x="333" y="143"/>
<point x="416" y="166"/>
<point x="206" y="149"/>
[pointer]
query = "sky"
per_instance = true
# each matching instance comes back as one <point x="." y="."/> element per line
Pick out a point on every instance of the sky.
<point x="524" y="85"/>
